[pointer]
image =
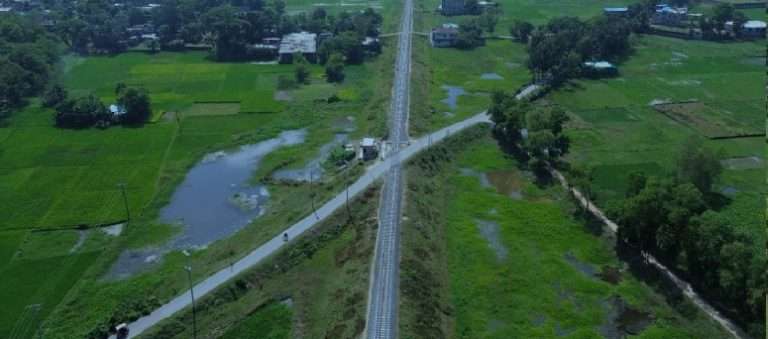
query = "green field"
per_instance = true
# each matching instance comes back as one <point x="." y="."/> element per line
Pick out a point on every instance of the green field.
<point x="314" y="288"/>
<point x="616" y="131"/>
<point x="58" y="179"/>
<point x="533" y="278"/>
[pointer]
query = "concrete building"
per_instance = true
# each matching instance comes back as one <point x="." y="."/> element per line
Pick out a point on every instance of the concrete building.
<point x="754" y="29"/>
<point x="598" y="69"/>
<point x="444" y="36"/>
<point x="666" y="15"/>
<point x="451" y="7"/>
<point x="369" y="149"/>
<point x="615" y="11"/>
<point x="303" y="42"/>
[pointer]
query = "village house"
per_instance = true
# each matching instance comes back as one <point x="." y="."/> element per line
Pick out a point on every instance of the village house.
<point x="444" y="36"/>
<point x="615" y="11"/>
<point x="598" y="69"/>
<point x="369" y="149"/>
<point x="451" y="7"/>
<point x="752" y="29"/>
<point x="303" y="42"/>
<point x="666" y="15"/>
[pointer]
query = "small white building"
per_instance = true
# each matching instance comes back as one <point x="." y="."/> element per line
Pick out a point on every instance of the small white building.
<point x="116" y="110"/>
<point x="750" y="29"/>
<point x="302" y="42"/>
<point x="369" y="149"/>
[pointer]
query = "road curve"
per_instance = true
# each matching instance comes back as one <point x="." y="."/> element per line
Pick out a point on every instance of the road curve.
<point x="373" y="173"/>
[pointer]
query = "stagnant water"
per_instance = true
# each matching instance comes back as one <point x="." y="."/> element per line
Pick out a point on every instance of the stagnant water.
<point x="214" y="201"/>
<point x="313" y="170"/>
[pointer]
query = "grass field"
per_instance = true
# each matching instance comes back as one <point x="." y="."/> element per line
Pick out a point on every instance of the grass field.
<point x="531" y="275"/>
<point x="271" y="322"/>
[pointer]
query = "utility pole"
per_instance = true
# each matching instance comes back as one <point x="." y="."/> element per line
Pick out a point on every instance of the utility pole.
<point x="125" y="200"/>
<point x="188" y="268"/>
<point x="312" y="193"/>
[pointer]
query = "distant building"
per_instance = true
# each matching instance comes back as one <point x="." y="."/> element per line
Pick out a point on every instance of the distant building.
<point x="117" y="111"/>
<point x="304" y="43"/>
<point x="666" y="15"/>
<point x="597" y="69"/>
<point x="753" y="29"/>
<point x="452" y="7"/>
<point x="371" y="44"/>
<point x="444" y="36"/>
<point x="369" y="149"/>
<point x="615" y="11"/>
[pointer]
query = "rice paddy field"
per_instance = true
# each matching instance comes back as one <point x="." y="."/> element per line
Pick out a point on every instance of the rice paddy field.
<point x="62" y="183"/>
<point x="489" y="254"/>
<point x="714" y="90"/>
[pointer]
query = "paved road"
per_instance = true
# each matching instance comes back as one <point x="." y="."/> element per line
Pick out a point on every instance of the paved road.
<point x="373" y="173"/>
<point x="383" y="290"/>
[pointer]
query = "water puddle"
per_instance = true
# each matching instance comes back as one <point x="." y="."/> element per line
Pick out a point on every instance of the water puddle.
<point x="214" y="201"/>
<point x="314" y="168"/>
<point x="508" y="183"/>
<point x="491" y="76"/>
<point x="743" y="163"/>
<point x="492" y="233"/>
<point x="729" y="190"/>
<point x="81" y="236"/>
<point x="623" y="319"/>
<point x="283" y="96"/>
<point x="453" y="93"/>
<point x="479" y="175"/>
<point x="113" y="230"/>
<point x="586" y="268"/>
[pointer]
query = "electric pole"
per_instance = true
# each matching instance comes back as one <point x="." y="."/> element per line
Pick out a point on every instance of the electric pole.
<point x="125" y="200"/>
<point x="188" y="268"/>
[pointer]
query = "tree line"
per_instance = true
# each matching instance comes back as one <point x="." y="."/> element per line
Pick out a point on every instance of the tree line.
<point x="530" y="130"/>
<point x="231" y="27"/>
<point x="132" y="107"/>
<point x="28" y="54"/>
<point x="676" y="219"/>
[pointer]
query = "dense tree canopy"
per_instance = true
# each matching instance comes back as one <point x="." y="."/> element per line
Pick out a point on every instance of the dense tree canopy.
<point x="27" y="56"/>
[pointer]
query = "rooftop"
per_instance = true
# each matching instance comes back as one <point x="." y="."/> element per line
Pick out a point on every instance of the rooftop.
<point x="302" y="42"/>
<point x="615" y="9"/>
<point x="599" y="64"/>
<point x="754" y="24"/>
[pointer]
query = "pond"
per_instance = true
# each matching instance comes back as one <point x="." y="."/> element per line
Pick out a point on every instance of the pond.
<point x="214" y="201"/>
<point x="313" y="170"/>
<point x="453" y="93"/>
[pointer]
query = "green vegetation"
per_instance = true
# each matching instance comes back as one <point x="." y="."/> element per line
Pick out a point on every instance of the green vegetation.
<point x="271" y="322"/>
<point x="539" y="272"/>
<point x="69" y="178"/>
<point x="320" y="279"/>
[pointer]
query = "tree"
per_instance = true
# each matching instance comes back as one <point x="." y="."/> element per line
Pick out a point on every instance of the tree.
<point x="301" y="72"/>
<point x="698" y="165"/>
<point x="735" y="259"/>
<point x="488" y="20"/>
<point x="508" y="115"/>
<point x="470" y="35"/>
<point x="54" y="96"/>
<point x="137" y="105"/>
<point x="721" y="14"/>
<point x="334" y="68"/>
<point x="154" y="46"/>
<point x="521" y="30"/>
<point x="636" y="183"/>
<point x="472" y="7"/>
<point x="709" y="232"/>
<point x="81" y="112"/>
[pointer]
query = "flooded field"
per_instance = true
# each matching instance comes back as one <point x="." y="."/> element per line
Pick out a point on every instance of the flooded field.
<point x="313" y="170"/>
<point x="453" y="93"/>
<point x="214" y="201"/>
